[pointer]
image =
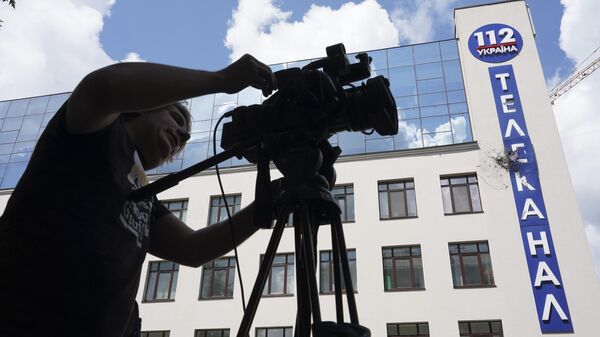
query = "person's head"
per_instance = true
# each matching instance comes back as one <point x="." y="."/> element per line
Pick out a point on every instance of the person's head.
<point x="159" y="134"/>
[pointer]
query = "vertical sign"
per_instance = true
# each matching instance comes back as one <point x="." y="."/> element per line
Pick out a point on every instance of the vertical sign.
<point x="546" y="282"/>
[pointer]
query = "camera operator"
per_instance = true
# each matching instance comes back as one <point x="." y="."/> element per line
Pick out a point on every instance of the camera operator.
<point x="71" y="243"/>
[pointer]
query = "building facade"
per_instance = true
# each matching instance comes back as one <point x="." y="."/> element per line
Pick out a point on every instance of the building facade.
<point x="465" y="223"/>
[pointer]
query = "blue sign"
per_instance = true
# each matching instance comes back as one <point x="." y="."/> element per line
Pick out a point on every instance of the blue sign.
<point x="546" y="282"/>
<point x="495" y="43"/>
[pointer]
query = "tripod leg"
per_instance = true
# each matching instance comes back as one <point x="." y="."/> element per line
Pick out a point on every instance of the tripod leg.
<point x="309" y="248"/>
<point x="263" y="273"/>
<point x="337" y="277"/>
<point x="338" y="235"/>
<point x="303" y="301"/>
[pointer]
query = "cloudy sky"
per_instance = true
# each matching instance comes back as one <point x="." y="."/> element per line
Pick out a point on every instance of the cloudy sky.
<point x="48" y="46"/>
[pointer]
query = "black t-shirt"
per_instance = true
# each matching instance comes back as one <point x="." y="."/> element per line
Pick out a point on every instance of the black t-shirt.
<point x="71" y="244"/>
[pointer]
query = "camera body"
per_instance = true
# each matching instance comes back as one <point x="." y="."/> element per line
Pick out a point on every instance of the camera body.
<point x="313" y="104"/>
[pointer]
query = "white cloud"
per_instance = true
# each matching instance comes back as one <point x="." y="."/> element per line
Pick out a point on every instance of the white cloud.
<point x="262" y="29"/>
<point x="418" y="20"/>
<point x="577" y="114"/>
<point x="48" y="46"/>
<point x="133" y="57"/>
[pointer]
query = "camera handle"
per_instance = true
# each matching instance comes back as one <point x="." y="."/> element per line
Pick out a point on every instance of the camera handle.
<point x="306" y="195"/>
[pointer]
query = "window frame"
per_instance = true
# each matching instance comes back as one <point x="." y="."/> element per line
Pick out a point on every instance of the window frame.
<point x="231" y="259"/>
<point x="479" y="262"/>
<point x="417" y="324"/>
<point x="481" y="334"/>
<point x="221" y="207"/>
<point x="284" y="328"/>
<point x="198" y="331"/>
<point x="449" y="177"/>
<point x="173" y="271"/>
<point x="388" y="198"/>
<point x="165" y="333"/>
<point x="331" y="272"/>
<point x="395" y="286"/>
<point x="181" y="212"/>
<point x="345" y="195"/>
<point x="266" y="292"/>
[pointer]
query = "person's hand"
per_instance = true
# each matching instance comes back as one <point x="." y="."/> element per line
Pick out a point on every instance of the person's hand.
<point x="248" y="71"/>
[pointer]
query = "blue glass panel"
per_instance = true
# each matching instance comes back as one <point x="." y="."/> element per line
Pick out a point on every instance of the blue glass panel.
<point x="30" y="128"/>
<point x="458" y="108"/>
<point x="402" y="81"/>
<point x="428" y="70"/>
<point x="4" y="108"/>
<point x="6" y="148"/>
<point x="201" y="126"/>
<point x="453" y="75"/>
<point x="168" y="167"/>
<point x="437" y="139"/>
<point x="2" y="170"/>
<point x="351" y="142"/>
<point x="407" y="102"/>
<point x="37" y="105"/>
<point x="379" y="60"/>
<point x="8" y="137"/>
<point x="427" y="52"/>
<point x="11" y="124"/>
<point x="17" y="107"/>
<point x="456" y="96"/>
<point x="449" y="50"/>
<point x="409" y="135"/>
<point x="432" y="99"/>
<point x="435" y="124"/>
<point x="47" y="117"/>
<point x="222" y="98"/>
<point x="221" y="109"/>
<point x="56" y="101"/>
<point x="408" y="113"/>
<point x="202" y="107"/>
<point x="4" y="158"/>
<point x="402" y="56"/>
<point x="23" y="147"/>
<point x="249" y="96"/>
<point x="434" y="110"/>
<point x="432" y="85"/>
<point x="14" y="171"/>
<point x="277" y="67"/>
<point x="19" y="157"/>
<point x="199" y="137"/>
<point x="461" y="128"/>
<point x="380" y="145"/>
<point x="300" y="64"/>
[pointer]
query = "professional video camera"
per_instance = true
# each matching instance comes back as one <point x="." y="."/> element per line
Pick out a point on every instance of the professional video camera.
<point x="314" y="104"/>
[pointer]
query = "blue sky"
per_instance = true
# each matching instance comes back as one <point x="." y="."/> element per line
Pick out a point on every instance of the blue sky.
<point x="192" y="33"/>
<point x="48" y="46"/>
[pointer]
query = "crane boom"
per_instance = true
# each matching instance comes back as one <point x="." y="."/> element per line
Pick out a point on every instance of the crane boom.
<point x="572" y="80"/>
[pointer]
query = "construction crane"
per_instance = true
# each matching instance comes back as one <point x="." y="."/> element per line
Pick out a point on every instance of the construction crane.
<point x="576" y="76"/>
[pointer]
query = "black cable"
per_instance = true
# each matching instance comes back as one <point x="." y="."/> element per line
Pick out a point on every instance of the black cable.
<point x="237" y="261"/>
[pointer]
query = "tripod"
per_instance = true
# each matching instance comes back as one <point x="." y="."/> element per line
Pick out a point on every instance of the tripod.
<point x="306" y="195"/>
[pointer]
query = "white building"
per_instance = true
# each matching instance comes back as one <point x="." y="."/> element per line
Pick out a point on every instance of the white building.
<point x="446" y="240"/>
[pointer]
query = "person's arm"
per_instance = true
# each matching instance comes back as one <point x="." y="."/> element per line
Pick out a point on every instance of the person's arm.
<point x="135" y="87"/>
<point x="173" y="240"/>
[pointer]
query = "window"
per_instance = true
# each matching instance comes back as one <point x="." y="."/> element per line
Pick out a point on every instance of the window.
<point x="161" y="283"/>
<point x="460" y="194"/>
<point x="344" y="195"/>
<point x="327" y="280"/>
<point x="217" y="207"/>
<point x="402" y="268"/>
<point x="218" y="277"/>
<point x="471" y="264"/>
<point x="281" y="277"/>
<point x="212" y="333"/>
<point x="155" y="333"/>
<point x="408" y="330"/>
<point x="177" y="207"/>
<point x="274" y="332"/>
<point x="480" y="329"/>
<point x="397" y="199"/>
